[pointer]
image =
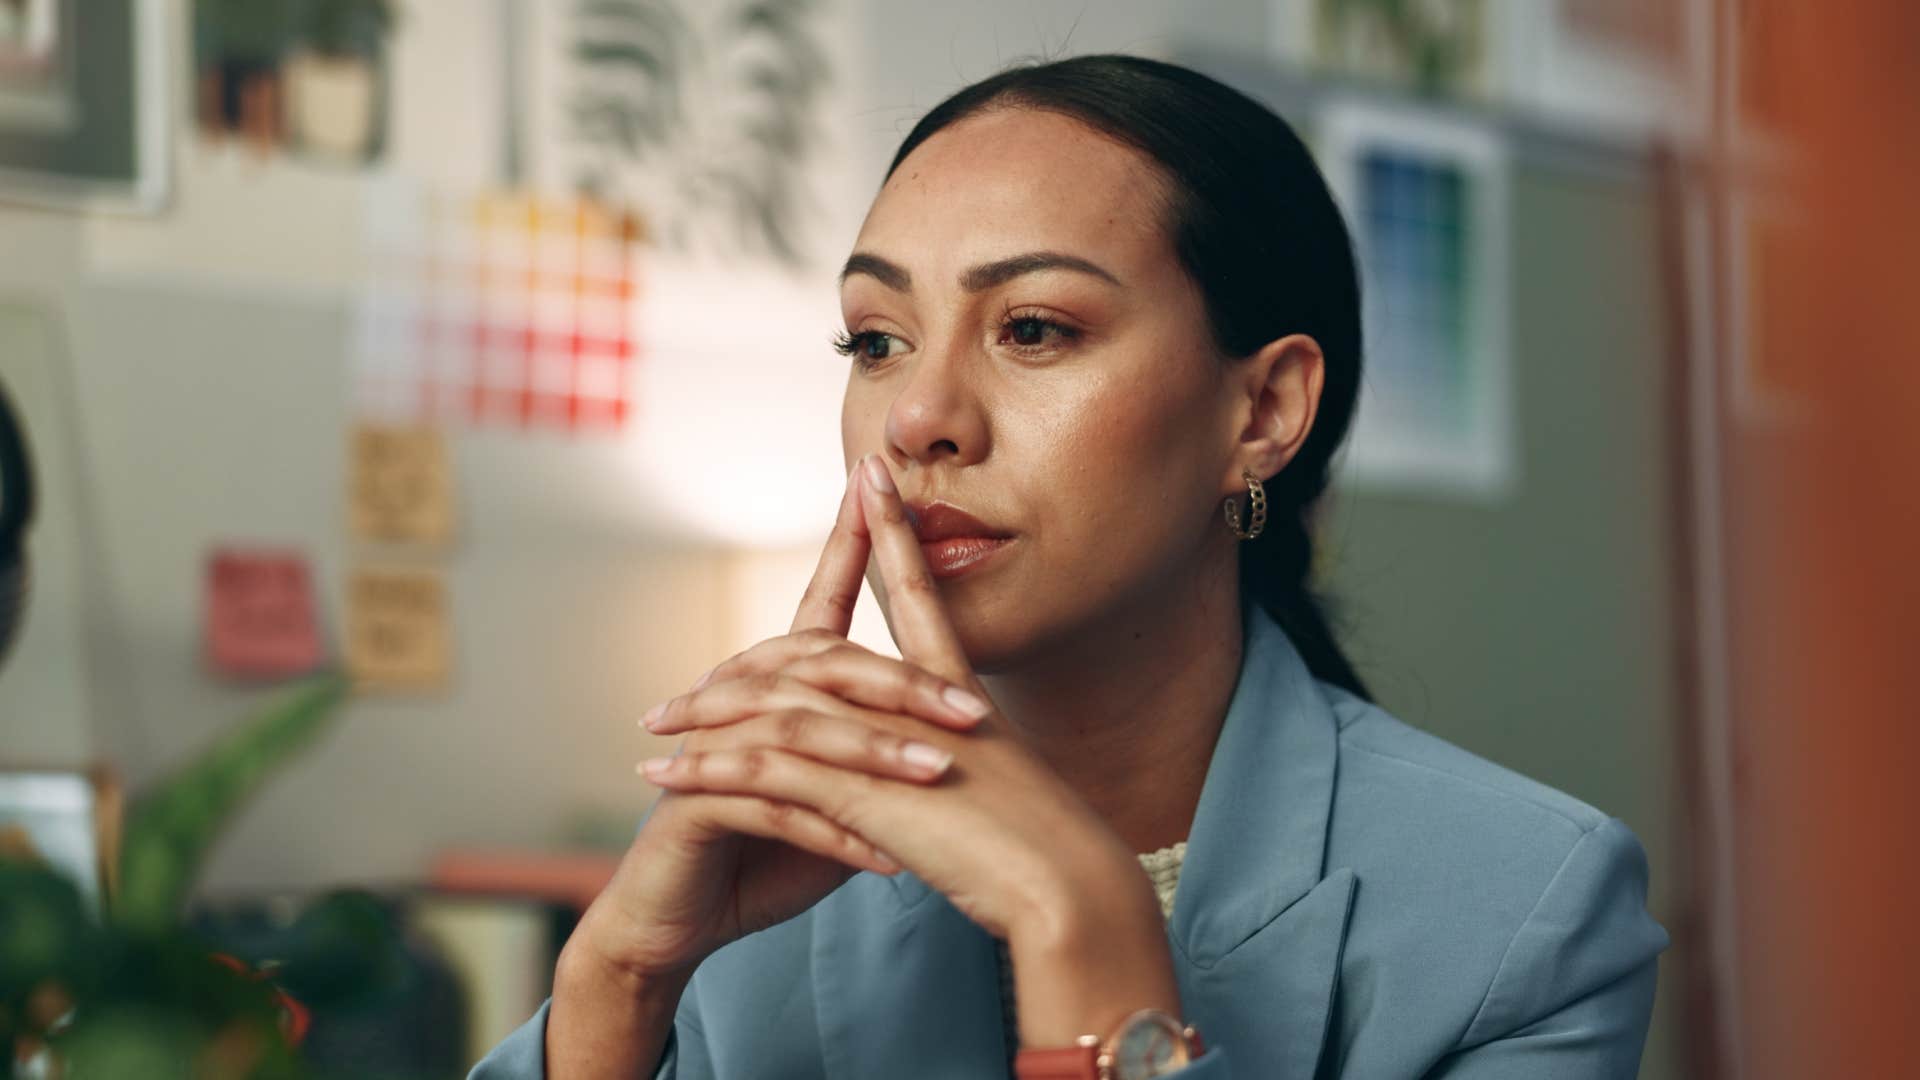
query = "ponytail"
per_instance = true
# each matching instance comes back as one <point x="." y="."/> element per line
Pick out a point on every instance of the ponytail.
<point x="1274" y="572"/>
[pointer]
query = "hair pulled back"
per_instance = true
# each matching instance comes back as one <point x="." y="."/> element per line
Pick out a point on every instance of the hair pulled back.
<point x="1254" y="225"/>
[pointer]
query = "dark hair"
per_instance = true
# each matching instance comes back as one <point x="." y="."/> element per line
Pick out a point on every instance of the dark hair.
<point x="1255" y="226"/>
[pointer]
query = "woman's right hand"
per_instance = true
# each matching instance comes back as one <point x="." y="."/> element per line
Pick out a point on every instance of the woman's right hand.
<point x="705" y="868"/>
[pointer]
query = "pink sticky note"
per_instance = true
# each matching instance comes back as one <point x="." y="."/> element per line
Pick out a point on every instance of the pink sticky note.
<point x="260" y="619"/>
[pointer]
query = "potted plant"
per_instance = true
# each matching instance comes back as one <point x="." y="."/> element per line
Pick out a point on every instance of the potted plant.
<point x="239" y="46"/>
<point x="336" y="78"/>
<point x="135" y="993"/>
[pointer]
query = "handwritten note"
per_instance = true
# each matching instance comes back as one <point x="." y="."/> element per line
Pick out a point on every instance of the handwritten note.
<point x="259" y="614"/>
<point x="397" y="628"/>
<point x="401" y="487"/>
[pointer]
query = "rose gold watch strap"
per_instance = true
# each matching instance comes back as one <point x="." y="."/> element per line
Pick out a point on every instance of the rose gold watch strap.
<point x="1058" y="1063"/>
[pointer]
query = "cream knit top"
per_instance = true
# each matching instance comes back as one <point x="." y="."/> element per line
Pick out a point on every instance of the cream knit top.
<point x="1162" y="866"/>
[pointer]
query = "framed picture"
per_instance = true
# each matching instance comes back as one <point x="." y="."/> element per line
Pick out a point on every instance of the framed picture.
<point x="83" y="97"/>
<point x="311" y="78"/>
<point x="36" y="65"/>
<point x="1426" y="197"/>
<point x="68" y="820"/>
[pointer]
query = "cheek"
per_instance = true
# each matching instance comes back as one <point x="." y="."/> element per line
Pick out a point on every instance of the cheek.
<point x="1125" y="463"/>
<point x="862" y="422"/>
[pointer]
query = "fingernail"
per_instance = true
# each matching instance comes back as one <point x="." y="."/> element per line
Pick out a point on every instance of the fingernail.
<point x="653" y="715"/>
<point x="968" y="704"/>
<point x="656" y="767"/>
<point x="877" y="474"/>
<point x="930" y="759"/>
<point x="892" y="864"/>
<point x="702" y="680"/>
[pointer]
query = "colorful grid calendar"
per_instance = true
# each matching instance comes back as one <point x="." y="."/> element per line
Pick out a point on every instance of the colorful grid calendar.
<point x="498" y="310"/>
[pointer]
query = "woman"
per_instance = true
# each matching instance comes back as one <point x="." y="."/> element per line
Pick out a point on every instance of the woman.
<point x="1093" y="300"/>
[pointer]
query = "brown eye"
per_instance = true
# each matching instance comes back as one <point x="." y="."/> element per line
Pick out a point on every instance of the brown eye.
<point x="867" y="348"/>
<point x="1029" y="331"/>
<point x="1034" y="333"/>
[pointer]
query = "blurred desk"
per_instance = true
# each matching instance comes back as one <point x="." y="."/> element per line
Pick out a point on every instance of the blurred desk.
<point x="569" y="878"/>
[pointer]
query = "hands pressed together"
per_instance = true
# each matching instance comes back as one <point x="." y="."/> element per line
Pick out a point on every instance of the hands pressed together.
<point x="807" y="758"/>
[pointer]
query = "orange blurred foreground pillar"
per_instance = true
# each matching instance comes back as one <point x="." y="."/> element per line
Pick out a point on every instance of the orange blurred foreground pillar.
<point x="1823" y="508"/>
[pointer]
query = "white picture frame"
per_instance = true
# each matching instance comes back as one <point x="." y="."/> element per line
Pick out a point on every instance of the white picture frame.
<point x="1436" y="409"/>
<point x="42" y="160"/>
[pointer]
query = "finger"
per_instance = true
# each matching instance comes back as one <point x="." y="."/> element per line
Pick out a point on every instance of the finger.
<point x="840" y="741"/>
<point x="796" y="825"/>
<point x="917" y="614"/>
<point x="836" y="794"/>
<point x="771" y="655"/>
<point x="835" y="589"/>
<point x="853" y="673"/>
<point x="825" y="681"/>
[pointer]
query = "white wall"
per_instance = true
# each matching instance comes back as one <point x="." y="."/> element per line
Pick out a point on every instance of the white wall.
<point x="207" y="352"/>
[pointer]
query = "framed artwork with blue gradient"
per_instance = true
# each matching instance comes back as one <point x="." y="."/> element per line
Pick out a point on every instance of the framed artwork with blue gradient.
<point x="1425" y="194"/>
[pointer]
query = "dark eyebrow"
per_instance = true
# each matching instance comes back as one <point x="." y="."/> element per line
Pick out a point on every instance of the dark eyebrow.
<point x="892" y="275"/>
<point x="987" y="275"/>
<point x="977" y="278"/>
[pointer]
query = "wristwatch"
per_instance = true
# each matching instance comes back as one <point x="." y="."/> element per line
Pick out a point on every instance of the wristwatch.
<point x="1147" y="1044"/>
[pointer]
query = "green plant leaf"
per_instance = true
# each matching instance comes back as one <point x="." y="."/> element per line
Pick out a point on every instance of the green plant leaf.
<point x="170" y="829"/>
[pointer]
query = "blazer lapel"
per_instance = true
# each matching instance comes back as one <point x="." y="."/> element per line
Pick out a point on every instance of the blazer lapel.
<point x="1258" y="923"/>
<point x="906" y="985"/>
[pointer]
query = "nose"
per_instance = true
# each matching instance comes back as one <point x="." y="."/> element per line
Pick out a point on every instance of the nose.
<point x="937" y="414"/>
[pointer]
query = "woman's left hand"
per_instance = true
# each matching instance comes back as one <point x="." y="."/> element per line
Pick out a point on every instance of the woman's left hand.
<point x="1001" y="834"/>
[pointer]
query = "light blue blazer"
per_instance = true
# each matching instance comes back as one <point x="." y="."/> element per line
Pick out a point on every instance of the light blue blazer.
<point x="1358" y="899"/>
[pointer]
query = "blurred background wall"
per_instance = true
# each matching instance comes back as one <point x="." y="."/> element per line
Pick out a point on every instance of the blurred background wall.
<point x="200" y="363"/>
<point x="190" y="354"/>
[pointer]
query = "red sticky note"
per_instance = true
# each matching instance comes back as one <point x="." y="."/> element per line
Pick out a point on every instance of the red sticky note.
<point x="260" y="619"/>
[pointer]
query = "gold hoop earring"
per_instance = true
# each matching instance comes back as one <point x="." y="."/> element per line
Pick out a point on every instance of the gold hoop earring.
<point x="1257" y="501"/>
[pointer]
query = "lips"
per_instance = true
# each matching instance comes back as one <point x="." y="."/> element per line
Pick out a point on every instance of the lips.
<point x="945" y="521"/>
<point x="953" y="540"/>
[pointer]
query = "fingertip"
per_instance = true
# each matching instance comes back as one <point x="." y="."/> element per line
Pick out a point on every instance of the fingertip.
<point x="953" y="720"/>
<point x="850" y="496"/>
<point x="878" y="477"/>
<point x="967" y="705"/>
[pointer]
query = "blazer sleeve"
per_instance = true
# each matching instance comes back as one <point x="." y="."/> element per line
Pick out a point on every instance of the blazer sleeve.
<point x="523" y="1054"/>
<point x="1573" y="996"/>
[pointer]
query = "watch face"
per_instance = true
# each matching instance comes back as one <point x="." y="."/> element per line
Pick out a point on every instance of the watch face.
<point x="1150" y="1045"/>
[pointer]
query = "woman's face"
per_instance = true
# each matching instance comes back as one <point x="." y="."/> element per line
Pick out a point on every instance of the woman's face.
<point x="1028" y="348"/>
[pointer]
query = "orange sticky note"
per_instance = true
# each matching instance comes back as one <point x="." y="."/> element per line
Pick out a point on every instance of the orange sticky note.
<point x="259" y="614"/>
<point x="401" y="487"/>
<point x="397" y="629"/>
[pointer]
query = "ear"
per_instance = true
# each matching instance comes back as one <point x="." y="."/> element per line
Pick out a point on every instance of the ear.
<point x="1279" y="393"/>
